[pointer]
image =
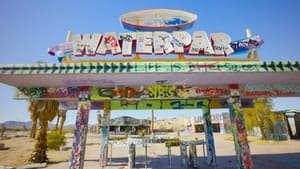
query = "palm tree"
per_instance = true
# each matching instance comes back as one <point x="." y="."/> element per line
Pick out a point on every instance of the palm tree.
<point x="61" y="118"/>
<point x="44" y="111"/>
<point x="33" y="116"/>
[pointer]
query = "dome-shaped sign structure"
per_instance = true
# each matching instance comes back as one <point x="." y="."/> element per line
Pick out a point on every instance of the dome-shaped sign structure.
<point x="158" y="19"/>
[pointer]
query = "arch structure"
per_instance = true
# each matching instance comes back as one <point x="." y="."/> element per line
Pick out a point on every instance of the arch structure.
<point x="155" y="85"/>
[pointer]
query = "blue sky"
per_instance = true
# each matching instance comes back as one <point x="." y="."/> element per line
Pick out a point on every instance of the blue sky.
<point x="29" y="27"/>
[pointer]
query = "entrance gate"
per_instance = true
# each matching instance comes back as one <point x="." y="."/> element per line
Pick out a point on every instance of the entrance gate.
<point x="192" y="82"/>
<point x="156" y="97"/>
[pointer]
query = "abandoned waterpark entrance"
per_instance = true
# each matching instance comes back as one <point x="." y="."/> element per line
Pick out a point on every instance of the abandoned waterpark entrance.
<point x="186" y="75"/>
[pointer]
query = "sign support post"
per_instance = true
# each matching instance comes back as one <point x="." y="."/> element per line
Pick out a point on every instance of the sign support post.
<point x="244" y="160"/>
<point x="210" y="145"/>
<point x="81" y="129"/>
<point x="104" y="134"/>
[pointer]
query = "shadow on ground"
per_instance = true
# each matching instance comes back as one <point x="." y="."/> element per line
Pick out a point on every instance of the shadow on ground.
<point x="262" y="161"/>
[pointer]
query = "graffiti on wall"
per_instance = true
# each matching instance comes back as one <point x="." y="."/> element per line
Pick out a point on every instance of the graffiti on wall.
<point x="215" y="118"/>
<point x="126" y="104"/>
<point x="195" y="92"/>
<point x="157" y="104"/>
<point x="80" y="134"/>
<point x="158" y="92"/>
<point x="43" y="92"/>
<point x="262" y="90"/>
<point x="161" y="91"/>
<point x="100" y="93"/>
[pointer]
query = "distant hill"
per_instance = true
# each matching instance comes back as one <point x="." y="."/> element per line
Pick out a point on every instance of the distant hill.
<point x="118" y="121"/>
<point x="17" y="124"/>
<point x="21" y="124"/>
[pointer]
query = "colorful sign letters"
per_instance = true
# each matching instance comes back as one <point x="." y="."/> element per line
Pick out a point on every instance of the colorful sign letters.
<point x="159" y="42"/>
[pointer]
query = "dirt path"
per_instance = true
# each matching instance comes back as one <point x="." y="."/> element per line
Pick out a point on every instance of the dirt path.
<point x="20" y="148"/>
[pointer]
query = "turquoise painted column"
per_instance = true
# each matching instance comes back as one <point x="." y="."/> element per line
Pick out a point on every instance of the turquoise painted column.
<point x="81" y="129"/>
<point x="104" y="134"/>
<point x="210" y="145"/>
<point x="244" y="160"/>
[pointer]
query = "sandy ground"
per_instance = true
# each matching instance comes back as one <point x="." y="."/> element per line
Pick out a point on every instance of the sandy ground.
<point x="18" y="148"/>
<point x="264" y="153"/>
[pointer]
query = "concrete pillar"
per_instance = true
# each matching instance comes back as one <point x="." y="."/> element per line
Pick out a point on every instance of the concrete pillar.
<point x="104" y="134"/>
<point x="289" y="126"/>
<point x="131" y="156"/>
<point x="193" y="155"/>
<point x="152" y="123"/>
<point x="184" y="156"/>
<point x="146" y="156"/>
<point x="297" y="125"/>
<point x="169" y="157"/>
<point x="81" y="129"/>
<point x="210" y="145"/>
<point x="244" y="160"/>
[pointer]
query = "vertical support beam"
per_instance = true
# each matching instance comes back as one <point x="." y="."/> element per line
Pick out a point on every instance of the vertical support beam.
<point x="169" y="156"/>
<point x="184" y="155"/>
<point x="152" y="123"/>
<point x="210" y="145"/>
<point x="193" y="155"/>
<point x="131" y="156"/>
<point x="81" y="129"/>
<point x="146" y="155"/>
<point x="286" y="117"/>
<point x="297" y="125"/>
<point x="104" y="134"/>
<point x="239" y="132"/>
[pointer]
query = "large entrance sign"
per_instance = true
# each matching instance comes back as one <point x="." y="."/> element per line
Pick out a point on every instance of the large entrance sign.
<point x="159" y="32"/>
<point x="177" y="42"/>
<point x="159" y="65"/>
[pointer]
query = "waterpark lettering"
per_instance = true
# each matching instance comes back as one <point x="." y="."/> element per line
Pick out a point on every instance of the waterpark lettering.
<point x="159" y="42"/>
